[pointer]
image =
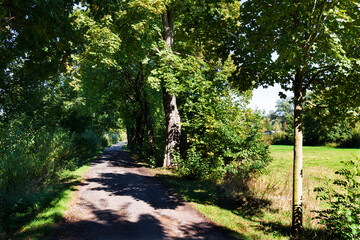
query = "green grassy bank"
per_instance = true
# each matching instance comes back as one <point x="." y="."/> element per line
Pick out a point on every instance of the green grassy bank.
<point x="264" y="212"/>
<point x="46" y="208"/>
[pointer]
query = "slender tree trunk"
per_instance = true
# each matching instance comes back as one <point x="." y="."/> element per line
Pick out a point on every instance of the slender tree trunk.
<point x="130" y="136"/>
<point x="139" y="131"/>
<point x="172" y="117"/>
<point x="149" y="128"/>
<point x="147" y="114"/>
<point x="298" y="157"/>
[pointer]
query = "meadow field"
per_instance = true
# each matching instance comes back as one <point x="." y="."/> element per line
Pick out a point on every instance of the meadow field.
<point x="265" y="211"/>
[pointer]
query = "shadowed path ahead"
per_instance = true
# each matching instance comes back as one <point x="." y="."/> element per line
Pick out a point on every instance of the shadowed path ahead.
<point x="120" y="199"/>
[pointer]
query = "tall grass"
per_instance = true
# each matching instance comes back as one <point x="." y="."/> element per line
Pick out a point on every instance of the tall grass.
<point x="32" y="159"/>
<point x="320" y="163"/>
<point x="29" y="156"/>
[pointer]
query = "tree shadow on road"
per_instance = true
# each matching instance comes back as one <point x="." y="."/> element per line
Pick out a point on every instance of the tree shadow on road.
<point x="140" y="187"/>
<point x="116" y="159"/>
<point x="108" y="224"/>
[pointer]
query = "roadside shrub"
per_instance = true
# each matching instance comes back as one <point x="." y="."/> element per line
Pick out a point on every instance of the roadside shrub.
<point x="29" y="154"/>
<point x="197" y="166"/>
<point x="30" y="158"/>
<point x="248" y="162"/>
<point x="122" y="136"/>
<point x="148" y="153"/>
<point x="88" y="142"/>
<point x="342" y="218"/>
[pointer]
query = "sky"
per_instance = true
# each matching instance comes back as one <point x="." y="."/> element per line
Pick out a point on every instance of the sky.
<point x="265" y="98"/>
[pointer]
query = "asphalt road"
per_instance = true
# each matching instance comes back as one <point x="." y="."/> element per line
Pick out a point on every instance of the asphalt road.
<point x="120" y="199"/>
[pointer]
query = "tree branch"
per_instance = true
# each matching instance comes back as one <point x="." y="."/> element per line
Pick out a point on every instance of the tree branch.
<point x="316" y="106"/>
<point x="313" y="78"/>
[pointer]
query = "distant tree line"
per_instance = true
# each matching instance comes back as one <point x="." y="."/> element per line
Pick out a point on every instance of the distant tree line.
<point x="343" y="134"/>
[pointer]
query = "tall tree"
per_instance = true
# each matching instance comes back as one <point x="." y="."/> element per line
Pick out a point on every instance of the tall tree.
<point x="156" y="43"/>
<point x="193" y="38"/>
<point x="172" y="116"/>
<point x="115" y="66"/>
<point x="305" y="46"/>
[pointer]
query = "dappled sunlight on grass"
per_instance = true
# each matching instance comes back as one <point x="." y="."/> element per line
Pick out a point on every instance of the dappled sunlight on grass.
<point x="264" y="212"/>
<point x="238" y="215"/>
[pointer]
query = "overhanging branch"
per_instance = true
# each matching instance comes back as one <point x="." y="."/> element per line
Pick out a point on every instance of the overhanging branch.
<point x="316" y="106"/>
<point x="320" y="70"/>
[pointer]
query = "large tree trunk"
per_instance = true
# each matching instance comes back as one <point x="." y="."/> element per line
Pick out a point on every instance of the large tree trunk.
<point x="172" y="117"/>
<point x="298" y="157"/>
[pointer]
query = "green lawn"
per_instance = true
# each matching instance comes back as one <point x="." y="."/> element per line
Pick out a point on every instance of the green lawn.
<point x="266" y="212"/>
<point x="325" y="157"/>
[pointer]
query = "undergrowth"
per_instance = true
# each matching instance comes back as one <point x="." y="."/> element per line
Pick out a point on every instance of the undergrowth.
<point x="35" y="170"/>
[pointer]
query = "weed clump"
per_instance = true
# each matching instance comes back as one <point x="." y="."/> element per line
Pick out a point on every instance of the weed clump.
<point x="342" y="217"/>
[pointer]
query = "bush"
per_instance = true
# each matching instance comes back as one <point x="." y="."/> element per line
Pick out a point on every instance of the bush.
<point x="342" y="218"/>
<point x="111" y="138"/>
<point x="353" y="141"/>
<point x="226" y="149"/>
<point x="197" y="166"/>
<point x="281" y="138"/>
<point x="88" y="142"/>
<point x="31" y="156"/>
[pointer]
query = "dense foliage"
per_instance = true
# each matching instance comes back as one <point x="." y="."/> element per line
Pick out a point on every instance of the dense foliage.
<point x="46" y="124"/>
<point x="210" y="110"/>
<point x="223" y="136"/>
<point x="33" y="157"/>
<point x="70" y="74"/>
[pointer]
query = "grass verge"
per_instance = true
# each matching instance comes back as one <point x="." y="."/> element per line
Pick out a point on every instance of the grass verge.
<point x="50" y="207"/>
<point x="36" y="215"/>
<point x="242" y="217"/>
<point x="264" y="212"/>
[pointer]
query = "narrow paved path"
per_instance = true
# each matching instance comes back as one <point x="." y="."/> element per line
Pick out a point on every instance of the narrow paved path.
<point x="120" y="199"/>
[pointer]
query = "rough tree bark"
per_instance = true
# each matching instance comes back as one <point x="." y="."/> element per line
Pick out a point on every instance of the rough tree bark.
<point x="298" y="156"/>
<point x="172" y="117"/>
